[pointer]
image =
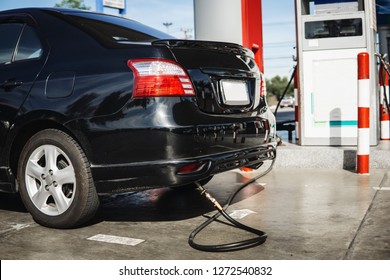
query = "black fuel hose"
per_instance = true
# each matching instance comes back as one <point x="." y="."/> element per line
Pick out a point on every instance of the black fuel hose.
<point x="385" y="65"/>
<point x="285" y="90"/>
<point x="260" y="238"/>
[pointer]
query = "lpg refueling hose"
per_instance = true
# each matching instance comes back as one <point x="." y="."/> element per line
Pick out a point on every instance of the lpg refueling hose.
<point x="260" y="238"/>
<point x="385" y="65"/>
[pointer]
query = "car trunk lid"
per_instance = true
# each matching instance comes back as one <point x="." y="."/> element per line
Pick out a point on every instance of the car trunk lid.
<point x="225" y="76"/>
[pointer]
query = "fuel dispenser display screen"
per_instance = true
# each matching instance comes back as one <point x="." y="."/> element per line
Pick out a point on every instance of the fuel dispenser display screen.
<point x="333" y="28"/>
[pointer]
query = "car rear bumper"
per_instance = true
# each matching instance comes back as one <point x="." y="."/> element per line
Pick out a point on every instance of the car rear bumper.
<point x="148" y="143"/>
<point x="117" y="178"/>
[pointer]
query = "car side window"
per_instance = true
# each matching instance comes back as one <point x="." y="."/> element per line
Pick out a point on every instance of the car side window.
<point x="29" y="46"/>
<point x="9" y="35"/>
<point x="18" y="42"/>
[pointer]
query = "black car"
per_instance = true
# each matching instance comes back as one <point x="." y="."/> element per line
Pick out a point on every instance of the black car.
<point x="95" y="104"/>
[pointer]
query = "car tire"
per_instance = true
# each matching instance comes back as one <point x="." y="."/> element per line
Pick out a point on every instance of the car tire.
<point x="55" y="181"/>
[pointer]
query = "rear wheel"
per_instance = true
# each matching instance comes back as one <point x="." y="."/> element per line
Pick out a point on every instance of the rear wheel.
<point x="55" y="181"/>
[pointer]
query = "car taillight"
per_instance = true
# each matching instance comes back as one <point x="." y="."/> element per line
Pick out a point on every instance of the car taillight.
<point x="191" y="168"/>
<point x="263" y="88"/>
<point x="159" y="77"/>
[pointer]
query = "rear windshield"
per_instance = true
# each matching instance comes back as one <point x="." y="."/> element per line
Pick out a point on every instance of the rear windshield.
<point x="113" y="30"/>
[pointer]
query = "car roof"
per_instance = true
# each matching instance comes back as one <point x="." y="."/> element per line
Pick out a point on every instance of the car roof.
<point x="28" y="9"/>
<point x="51" y="9"/>
<point x="110" y="20"/>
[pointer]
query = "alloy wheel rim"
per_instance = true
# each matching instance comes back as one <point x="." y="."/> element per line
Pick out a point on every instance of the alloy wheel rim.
<point x="50" y="180"/>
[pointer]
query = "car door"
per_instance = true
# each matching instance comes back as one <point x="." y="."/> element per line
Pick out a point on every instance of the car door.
<point x="21" y="59"/>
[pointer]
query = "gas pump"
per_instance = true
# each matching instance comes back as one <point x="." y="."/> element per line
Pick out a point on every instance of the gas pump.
<point x="330" y="35"/>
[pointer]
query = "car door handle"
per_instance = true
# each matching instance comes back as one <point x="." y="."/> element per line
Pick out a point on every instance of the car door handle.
<point x="10" y="84"/>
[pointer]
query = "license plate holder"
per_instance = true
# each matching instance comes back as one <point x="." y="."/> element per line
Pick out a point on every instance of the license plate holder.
<point x="234" y="92"/>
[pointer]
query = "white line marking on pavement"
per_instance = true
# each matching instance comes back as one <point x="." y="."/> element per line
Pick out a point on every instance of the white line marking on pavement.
<point x="116" y="239"/>
<point x="381" y="189"/>
<point x="240" y="214"/>
<point x="14" y="227"/>
<point x="19" y="226"/>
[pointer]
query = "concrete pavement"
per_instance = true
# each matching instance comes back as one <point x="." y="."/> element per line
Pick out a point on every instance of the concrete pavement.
<point x="308" y="213"/>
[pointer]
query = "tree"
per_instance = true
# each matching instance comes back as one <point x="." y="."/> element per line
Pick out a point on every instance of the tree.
<point x="73" y="4"/>
<point x="277" y="85"/>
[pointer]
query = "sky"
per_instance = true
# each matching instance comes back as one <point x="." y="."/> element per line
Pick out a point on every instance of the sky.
<point x="278" y="24"/>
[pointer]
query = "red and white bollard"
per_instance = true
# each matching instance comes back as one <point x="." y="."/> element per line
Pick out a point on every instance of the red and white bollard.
<point x="384" y="112"/>
<point x="296" y="103"/>
<point x="363" y="148"/>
